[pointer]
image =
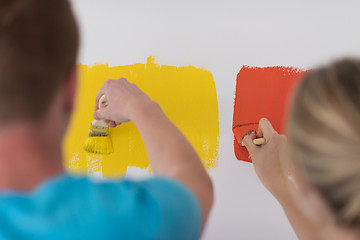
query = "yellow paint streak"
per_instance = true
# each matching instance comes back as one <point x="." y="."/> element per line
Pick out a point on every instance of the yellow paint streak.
<point x="186" y="94"/>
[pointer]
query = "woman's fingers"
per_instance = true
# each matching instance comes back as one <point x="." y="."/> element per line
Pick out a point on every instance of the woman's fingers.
<point x="265" y="128"/>
<point x="248" y="143"/>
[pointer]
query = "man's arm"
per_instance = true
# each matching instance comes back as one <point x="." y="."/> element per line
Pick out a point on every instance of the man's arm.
<point x="170" y="153"/>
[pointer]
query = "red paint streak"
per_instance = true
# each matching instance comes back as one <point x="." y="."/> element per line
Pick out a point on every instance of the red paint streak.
<point x="261" y="92"/>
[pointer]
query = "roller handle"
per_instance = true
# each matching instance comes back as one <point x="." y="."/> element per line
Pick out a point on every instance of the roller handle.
<point x="259" y="141"/>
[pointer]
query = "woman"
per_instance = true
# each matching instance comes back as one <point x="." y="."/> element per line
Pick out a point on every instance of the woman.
<point x="321" y="198"/>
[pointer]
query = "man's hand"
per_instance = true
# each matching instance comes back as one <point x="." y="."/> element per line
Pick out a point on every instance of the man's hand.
<point x="123" y="99"/>
<point x="269" y="159"/>
<point x="170" y="153"/>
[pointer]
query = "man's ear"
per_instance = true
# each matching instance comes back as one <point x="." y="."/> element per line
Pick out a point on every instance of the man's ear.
<point x="70" y="89"/>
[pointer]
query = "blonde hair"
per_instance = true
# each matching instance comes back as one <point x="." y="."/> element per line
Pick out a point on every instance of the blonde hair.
<point x="324" y="136"/>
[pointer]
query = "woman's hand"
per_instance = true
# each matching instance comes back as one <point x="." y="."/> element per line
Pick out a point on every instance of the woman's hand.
<point x="269" y="159"/>
<point x="123" y="99"/>
<point x="271" y="166"/>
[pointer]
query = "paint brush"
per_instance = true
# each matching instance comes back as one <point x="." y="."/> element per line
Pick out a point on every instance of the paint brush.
<point x="256" y="141"/>
<point x="99" y="140"/>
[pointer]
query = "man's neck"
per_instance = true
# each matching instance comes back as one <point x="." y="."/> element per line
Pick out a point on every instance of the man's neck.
<point x="26" y="158"/>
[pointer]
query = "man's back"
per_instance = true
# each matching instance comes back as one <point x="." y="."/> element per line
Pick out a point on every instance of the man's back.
<point x="76" y="208"/>
<point x="38" y="48"/>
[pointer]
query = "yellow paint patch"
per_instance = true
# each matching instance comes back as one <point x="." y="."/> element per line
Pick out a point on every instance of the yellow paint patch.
<point x="186" y="94"/>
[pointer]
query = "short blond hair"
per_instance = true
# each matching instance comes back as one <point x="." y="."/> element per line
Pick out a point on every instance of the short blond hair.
<point x="324" y="136"/>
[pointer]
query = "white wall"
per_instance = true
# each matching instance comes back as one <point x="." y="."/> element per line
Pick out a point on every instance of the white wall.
<point x="221" y="36"/>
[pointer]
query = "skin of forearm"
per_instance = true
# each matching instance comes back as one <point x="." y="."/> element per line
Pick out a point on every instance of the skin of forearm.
<point x="170" y="153"/>
<point x="302" y="225"/>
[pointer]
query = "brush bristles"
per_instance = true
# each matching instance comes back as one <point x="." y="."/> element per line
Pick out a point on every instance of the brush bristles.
<point x="100" y="145"/>
<point x="98" y="141"/>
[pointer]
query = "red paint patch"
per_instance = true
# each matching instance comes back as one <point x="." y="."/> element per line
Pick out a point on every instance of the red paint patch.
<point x="261" y="92"/>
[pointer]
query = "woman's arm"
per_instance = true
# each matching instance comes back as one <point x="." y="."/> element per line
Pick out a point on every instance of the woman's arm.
<point x="271" y="166"/>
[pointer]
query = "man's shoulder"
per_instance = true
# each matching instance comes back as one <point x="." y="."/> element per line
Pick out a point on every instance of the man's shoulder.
<point x="79" y="206"/>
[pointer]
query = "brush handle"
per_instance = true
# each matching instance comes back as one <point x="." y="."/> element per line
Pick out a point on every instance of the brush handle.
<point x="99" y="123"/>
<point x="102" y="103"/>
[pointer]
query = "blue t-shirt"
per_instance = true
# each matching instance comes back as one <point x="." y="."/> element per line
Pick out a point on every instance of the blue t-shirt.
<point x="76" y="208"/>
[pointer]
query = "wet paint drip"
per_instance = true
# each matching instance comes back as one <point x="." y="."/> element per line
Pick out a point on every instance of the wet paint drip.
<point x="186" y="94"/>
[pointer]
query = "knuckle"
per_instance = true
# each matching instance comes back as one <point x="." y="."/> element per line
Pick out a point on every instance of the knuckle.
<point x="122" y="79"/>
<point x="246" y="139"/>
<point x="247" y="142"/>
<point x="108" y="82"/>
<point x="263" y="120"/>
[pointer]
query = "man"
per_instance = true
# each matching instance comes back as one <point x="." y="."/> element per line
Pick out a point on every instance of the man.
<point x="38" y="49"/>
